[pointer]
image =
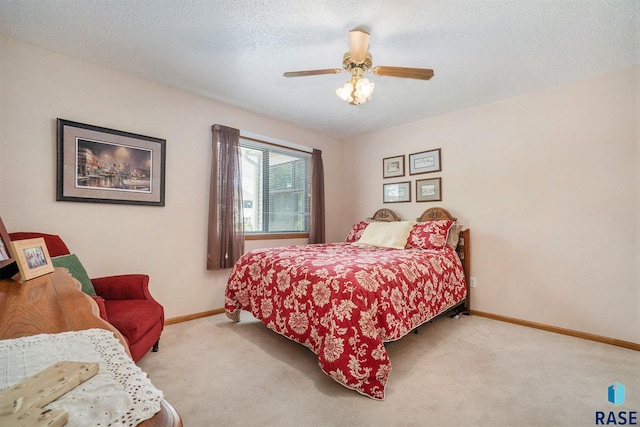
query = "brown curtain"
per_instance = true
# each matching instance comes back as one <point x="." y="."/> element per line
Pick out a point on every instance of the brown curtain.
<point x="316" y="222"/>
<point x="226" y="229"/>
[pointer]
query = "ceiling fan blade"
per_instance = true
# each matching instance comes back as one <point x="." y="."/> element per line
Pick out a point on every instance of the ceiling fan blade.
<point x="312" y="72"/>
<point x="409" y="73"/>
<point x="358" y="45"/>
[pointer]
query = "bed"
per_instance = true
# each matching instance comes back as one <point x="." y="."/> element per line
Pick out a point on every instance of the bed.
<point x="344" y="300"/>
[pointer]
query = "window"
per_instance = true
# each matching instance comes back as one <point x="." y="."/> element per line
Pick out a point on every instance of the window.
<point x="276" y="183"/>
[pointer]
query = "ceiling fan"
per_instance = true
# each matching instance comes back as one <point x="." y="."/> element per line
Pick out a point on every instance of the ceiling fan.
<point x="358" y="60"/>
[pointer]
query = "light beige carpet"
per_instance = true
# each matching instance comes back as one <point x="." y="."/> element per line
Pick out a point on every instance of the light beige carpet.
<point x="470" y="371"/>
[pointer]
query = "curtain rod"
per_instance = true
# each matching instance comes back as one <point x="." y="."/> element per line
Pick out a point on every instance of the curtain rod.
<point x="244" y="136"/>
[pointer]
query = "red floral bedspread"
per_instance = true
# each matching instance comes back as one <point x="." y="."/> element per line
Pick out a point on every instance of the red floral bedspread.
<point x="344" y="301"/>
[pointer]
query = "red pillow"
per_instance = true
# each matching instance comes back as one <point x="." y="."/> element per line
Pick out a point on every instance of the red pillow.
<point x="429" y="234"/>
<point x="356" y="232"/>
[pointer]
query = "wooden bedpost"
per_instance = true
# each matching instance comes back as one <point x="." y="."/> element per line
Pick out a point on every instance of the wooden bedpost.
<point x="462" y="249"/>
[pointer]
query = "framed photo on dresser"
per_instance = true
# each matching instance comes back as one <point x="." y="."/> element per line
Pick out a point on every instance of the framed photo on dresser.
<point x="8" y="265"/>
<point x="32" y="257"/>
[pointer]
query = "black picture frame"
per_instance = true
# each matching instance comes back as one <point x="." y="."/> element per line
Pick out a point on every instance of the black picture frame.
<point x="101" y="165"/>
<point x="8" y="265"/>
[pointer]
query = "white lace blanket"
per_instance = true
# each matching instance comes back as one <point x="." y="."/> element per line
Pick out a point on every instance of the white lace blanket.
<point x="120" y="393"/>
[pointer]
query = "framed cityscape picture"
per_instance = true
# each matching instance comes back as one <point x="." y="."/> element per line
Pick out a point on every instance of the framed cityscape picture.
<point x="103" y="165"/>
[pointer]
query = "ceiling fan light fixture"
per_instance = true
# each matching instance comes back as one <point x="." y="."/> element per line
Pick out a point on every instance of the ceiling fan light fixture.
<point x="364" y="89"/>
<point x="346" y="92"/>
<point x="357" y="90"/>
<point x="358" y="60"/>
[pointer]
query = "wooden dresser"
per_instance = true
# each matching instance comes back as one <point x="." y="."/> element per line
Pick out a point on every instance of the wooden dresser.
<point x="52" y="304"/>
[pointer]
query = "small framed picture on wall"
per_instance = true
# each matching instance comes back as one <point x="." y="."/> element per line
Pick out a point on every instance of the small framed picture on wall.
<point x="429" y="190"/>
<point x="424" y="162"/>
<point x="393" y="167"/>
<point x="396" y="192"/>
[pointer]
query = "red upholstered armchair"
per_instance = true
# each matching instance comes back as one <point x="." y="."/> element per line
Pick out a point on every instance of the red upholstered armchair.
<point x="124" y="301"/>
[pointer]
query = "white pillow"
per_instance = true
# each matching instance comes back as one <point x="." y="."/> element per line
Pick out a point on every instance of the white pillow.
<point x="386" y="234"/>
<point x="454" y="235"/>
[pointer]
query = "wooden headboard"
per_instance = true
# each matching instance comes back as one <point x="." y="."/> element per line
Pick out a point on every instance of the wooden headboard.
<point x="434" y="214"/>
<point x="385" y="214"/>
<point x="431" y="214"/>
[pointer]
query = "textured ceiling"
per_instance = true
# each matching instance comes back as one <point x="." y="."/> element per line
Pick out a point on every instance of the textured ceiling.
<point x="235" y="51"/>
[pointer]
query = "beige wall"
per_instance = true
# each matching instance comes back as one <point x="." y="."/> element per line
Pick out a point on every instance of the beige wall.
<point x="637" y="197"/>
<point x="168" y="242"/>
<point x="548" y="183"/>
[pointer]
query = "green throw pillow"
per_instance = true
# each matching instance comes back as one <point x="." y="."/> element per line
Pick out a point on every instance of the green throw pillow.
<point x="72" y="263"/>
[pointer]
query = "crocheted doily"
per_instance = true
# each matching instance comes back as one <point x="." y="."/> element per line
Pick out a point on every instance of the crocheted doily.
<point x="119" y="394"/>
